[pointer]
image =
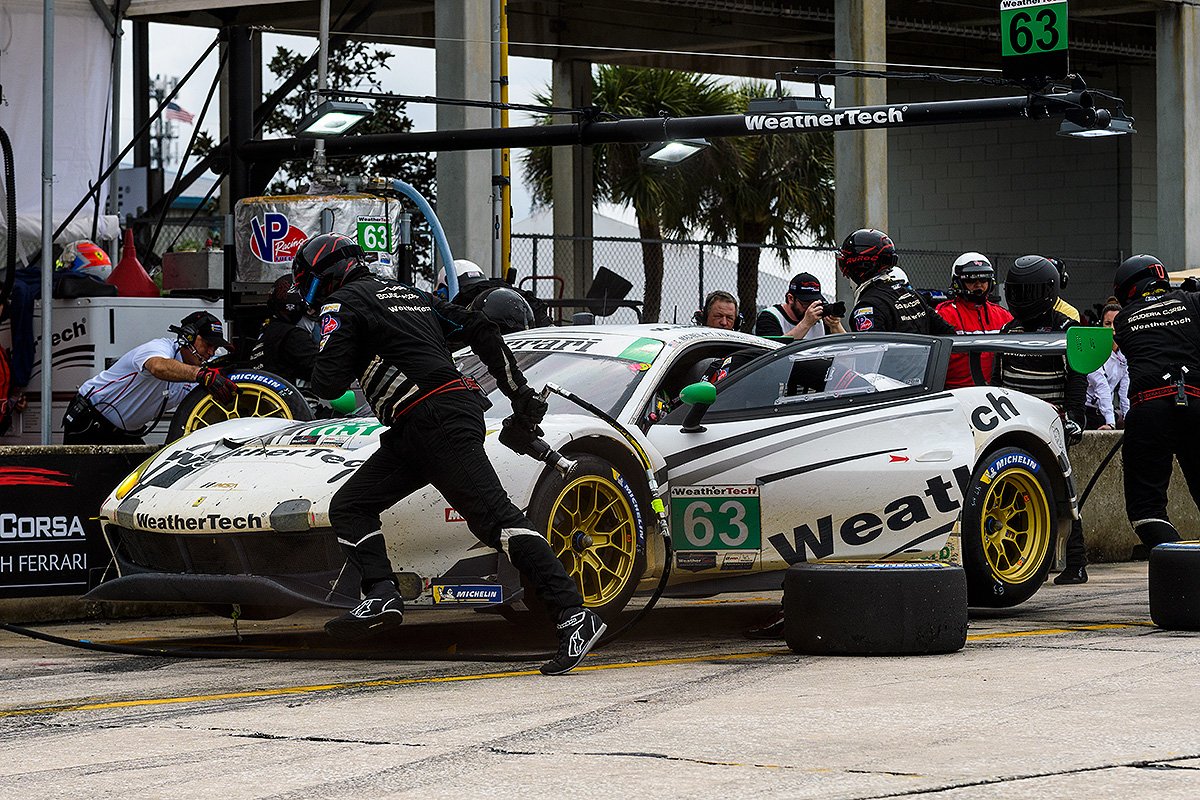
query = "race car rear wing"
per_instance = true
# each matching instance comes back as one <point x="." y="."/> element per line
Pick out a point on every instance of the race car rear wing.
<point x="1086" y="348"/>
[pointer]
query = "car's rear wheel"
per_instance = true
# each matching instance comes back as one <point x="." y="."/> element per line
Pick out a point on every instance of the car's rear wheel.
<point x="1008" y="528"/>
<point x="595" y="522"/>
<point x="260" y="394"/>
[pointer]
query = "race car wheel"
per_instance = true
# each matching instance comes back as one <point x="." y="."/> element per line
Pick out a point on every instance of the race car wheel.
<point x="595" y="522"/>
<point x="1175" y="586"/>
<point x="903" y="608"/>
<point x="260" y="394"/>
<point x="1008" y="528"/>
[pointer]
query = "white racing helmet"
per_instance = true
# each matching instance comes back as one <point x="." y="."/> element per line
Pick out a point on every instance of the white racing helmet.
<point x="467" y="272"/>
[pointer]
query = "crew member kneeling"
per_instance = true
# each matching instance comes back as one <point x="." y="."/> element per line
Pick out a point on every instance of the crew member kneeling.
<point x="1158" y="330"/>
<point x="392" y="338"/>
<point x="124" y="402"/>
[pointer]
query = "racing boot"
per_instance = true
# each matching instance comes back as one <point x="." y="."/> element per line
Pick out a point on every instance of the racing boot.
<point x="578" y="631"/>
<point x="381" y="609"/>
<point x="1072" y="575"/>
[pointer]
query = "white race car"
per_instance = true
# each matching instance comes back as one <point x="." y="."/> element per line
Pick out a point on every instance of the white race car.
<point x="843" y="448"/>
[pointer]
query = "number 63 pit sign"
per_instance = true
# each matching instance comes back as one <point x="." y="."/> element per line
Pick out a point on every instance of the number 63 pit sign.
<point x="715" y="518"/>
<point x="1033" y="38"/>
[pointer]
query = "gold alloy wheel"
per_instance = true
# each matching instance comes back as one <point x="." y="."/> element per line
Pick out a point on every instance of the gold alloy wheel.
<point x="1016" y="525"/>
<point x="593" y="531"/>
<point x="251" y="401"/>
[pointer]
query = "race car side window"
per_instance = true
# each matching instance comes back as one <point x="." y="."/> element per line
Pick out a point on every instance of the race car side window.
<point x="827" y="373"/>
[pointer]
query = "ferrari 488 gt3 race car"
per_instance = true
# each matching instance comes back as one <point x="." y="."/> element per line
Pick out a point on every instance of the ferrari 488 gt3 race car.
<point x="842" y="448"/>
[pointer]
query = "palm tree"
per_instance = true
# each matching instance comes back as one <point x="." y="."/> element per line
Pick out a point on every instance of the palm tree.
<point x="662" y="199"/>
<point x="760" y="190"/>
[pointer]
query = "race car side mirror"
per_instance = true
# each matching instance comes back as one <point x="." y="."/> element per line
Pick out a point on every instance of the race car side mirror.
<point x="699" y="396"/>
<point x="1088" y="348"/>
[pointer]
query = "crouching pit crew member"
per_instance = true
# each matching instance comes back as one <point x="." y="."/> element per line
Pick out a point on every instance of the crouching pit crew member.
<point x="1031" y="288"/>
<point x="124" y="402"/>
<point x="1158" y="330"/>
<point x="392" y="338"/>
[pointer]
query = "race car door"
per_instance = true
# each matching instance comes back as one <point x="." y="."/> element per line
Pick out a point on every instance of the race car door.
<point x="835" y="449"/>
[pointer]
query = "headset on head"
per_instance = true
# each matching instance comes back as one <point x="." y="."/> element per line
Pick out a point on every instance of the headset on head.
<point x="701" y="315"/>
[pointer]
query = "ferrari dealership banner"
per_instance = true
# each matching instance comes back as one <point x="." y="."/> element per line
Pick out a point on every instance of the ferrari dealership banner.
<point x="50" y="539"/>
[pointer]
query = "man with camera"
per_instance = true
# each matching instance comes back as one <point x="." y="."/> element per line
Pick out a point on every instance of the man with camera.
<point x="803" y="314"/>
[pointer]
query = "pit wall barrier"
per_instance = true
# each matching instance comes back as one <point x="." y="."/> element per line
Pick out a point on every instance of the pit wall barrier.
<point x="52" y="551"/>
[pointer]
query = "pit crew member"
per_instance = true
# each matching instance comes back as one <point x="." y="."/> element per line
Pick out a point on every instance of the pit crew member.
<point x="392" y="338"/>
<point x="283" y="347"/>
<point x="970" y="310"/>
<point x="803" y="307"/>
<point x="124" y="402"/>
<point x="1031" y="288"/>
<point x="882" y="302"/>
<point x="1158" y="330"/>
<point x="1108" y="385"/>
<point x="720" y="310"/>
<point x="472" y="283"/>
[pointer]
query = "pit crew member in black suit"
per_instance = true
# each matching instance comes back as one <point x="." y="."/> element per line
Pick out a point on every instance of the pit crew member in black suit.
<point x="1158" y="330"/>
<point x="283" y="347"/>
<point x="883" y="301"/>
<point x="392" y="339"/>
<point x="1031" y="289"/>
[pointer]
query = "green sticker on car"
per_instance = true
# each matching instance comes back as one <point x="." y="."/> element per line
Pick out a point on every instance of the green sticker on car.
<point x="715" y="518"/>
<point x="642" y="350"/>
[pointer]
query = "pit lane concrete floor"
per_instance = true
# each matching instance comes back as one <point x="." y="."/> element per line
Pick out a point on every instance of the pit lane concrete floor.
<point x="1073" y="694"/>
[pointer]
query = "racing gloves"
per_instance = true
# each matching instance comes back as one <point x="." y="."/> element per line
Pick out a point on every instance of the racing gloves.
<point x="1073" y="431"/>
<point x="528" y="407"/>
<point x="217" y="385"/>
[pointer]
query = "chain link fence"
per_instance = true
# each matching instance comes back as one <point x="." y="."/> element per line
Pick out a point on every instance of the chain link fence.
<point x="177" y="234"/>
<point x="693" y="268"/>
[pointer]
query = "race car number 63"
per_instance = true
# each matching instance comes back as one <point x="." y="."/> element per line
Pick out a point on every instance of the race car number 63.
<point x="699" y="527"/>
<point x="716" y="521"/>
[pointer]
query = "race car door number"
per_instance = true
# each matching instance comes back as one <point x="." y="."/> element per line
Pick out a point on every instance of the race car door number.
<point x="715" y="518"/>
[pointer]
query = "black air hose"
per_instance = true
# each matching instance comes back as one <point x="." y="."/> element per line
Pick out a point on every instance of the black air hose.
<point x="10" y="219"/>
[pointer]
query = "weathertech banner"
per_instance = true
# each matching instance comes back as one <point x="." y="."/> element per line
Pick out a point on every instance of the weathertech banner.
<point x="50" y="539"/>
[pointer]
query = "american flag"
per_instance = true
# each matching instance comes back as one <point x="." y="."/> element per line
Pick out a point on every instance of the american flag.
<point x="175" y="111"/>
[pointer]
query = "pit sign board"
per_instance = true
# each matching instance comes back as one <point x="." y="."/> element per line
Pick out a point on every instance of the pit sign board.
<point x="1033" y="39"/>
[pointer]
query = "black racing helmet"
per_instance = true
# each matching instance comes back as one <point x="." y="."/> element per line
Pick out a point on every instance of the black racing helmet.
<point x="866" y="253"/>
<point x="285" y="301"/>
<point x="1031" y="287"/>
<point x="1139" y="275"/>
<point x="323" y="263"/>
<point x="970" y="266"/>
<point x="506" y="307"/>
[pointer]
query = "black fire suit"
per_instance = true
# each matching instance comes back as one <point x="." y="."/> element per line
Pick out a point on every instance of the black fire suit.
<point x="1160" y="337"/>
<point x="284" y="349"/>
<point x="1049" y="378"/>
<point x="392" y="338"/>
<point x="883" y="305"/>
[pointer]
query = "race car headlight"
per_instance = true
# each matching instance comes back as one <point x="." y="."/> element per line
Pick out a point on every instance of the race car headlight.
<point x="131" y="480"/>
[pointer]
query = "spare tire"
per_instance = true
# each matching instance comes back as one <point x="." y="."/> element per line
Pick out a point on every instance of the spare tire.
<point x="1175" y="586"/>
<point x="260" y="394"/>
<point x="900" y="608"/>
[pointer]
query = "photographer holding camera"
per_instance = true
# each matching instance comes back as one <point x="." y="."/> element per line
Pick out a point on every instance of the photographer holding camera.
<point x="803" y="314"/>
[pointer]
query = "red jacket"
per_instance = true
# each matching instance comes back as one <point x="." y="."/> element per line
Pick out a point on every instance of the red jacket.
<point x="970" y="318"/>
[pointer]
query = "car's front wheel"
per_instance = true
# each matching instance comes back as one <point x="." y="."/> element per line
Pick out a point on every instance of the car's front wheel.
<point x="595" y="521"/>
<point x="260" y="394"/>
<point x="1008" y="528"/>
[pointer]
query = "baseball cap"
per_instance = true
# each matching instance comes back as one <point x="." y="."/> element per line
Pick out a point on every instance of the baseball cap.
<point x="805" y="286"/>
<point x="206" y="326"/>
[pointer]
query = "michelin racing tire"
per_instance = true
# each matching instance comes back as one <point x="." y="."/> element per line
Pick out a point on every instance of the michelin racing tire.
<point x="261" y="394"/>
<point x="1175" y="586"/>
<point x="595" y="521"/>
<point x="875" y="609"/>
<point x="1008" y="528"/>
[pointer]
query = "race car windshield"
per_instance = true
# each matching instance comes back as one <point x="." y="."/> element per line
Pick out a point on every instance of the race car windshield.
<point x="606" y="382"/>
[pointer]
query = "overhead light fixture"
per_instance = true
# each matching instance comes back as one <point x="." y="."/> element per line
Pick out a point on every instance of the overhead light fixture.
<point x="333" y="118"/>
<point x="1107" y="124"/>
<point x="782" y="105"/>
<point x="672" y="152"/>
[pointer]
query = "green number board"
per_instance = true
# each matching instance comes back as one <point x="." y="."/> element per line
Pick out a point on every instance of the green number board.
<point x="1030" y="27"/>
<point x="715" y="518"/>
<point x="374" y="235"/>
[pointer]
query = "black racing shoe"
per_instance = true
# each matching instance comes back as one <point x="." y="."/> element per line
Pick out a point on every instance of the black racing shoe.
<point x="1072" y="575"/>
<point x="770" y="630"/>
<point x="381" y="610"/>
<point x="578" y="633"/>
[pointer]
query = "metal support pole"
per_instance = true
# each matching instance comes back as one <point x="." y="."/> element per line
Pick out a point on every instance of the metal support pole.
<point x="318" y="162"/>
<point x="114" y="137"/>
<point x="497" y="202"/>
<point x="701" y="277"/>
<point x="141" y="90"/>
<point x="47" y="214"/>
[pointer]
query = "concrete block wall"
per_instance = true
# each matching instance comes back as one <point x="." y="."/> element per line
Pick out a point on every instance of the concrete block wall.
<point x="1015" y="187"/>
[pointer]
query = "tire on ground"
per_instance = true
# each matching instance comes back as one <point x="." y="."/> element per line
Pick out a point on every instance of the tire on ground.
<point x="1175" y="586"/>
<point x="901" y="608"/>
<point x="595" y="502"/>
<point x="262" y="394"/>
<point x="1009" y="528"/>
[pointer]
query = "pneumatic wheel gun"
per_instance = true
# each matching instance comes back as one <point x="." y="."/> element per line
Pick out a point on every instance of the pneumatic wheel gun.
<point x="528" y="442"/>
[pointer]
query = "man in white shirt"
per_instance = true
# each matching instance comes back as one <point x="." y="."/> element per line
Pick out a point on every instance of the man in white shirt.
<point x="124" y="402"/>
<point x="1111" y="379"/>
